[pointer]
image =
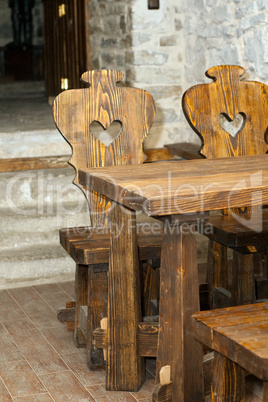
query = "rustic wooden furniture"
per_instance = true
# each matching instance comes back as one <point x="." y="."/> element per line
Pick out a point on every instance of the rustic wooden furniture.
<point x="178" y="193"/>
<point x="74" y="111"/>
<point x="230" y="117"/>
<point x="238" y="336"/>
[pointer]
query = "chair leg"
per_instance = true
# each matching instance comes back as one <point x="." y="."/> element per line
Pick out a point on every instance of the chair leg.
<point x="97" y="309"/>
<point x="81" y="291"/>
<point x="228" y="383"/>
<point x="217" y="273"/>
<point x="265" y="391"/>
<point x="243" y="289"/>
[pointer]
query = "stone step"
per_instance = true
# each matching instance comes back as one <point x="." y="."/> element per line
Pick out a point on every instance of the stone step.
<point x="42" y="231"/>
<point x="18" y="89"/>
<point x="35" y="264"/>
<point x="39" y="190"/>
<point x="41" y="142"/>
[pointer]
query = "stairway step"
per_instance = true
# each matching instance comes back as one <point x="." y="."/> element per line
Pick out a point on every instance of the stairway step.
<point x="35" y="265"/>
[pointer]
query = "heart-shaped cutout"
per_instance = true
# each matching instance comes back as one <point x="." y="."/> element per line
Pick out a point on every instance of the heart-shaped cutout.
<point x="233" y="127"/>
<point x="106" y="136"/>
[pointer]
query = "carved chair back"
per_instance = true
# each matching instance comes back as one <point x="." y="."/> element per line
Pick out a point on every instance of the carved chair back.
<point x="229" y="115"/>
<point x="77" y="110"/>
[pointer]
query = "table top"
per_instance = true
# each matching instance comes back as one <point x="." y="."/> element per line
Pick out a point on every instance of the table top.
<point x="180" y="187"/>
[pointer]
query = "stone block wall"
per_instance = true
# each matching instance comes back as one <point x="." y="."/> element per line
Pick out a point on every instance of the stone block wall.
<point x="168" y="50"/>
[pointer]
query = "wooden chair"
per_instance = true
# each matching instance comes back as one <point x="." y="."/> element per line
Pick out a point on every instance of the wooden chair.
<point x="230" y="117"/>
<point x="74" y="112"/>
<point x="238" y="336"/>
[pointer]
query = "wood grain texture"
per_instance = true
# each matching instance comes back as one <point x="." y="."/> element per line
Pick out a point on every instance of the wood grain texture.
<point x="249" y="230"/>
<point x="238" y="333"/>
<point x="184" y="186"/>
<point x="96" y="310"/>
<point x="228" y="383"/>
<point x="104" y="102"/>
<point x="147" y="338"/>
<point x="217" y="271"/>
<point x="125" y="369"/>
<point x="212" y="110"/>
<point x="229" y="95"/>
<point x="178" y="300"/>
<point x="243" y="284"/>
<point x="34" y="163"/>
<point x="81" y="291"/>
<point x="74" y="111"/>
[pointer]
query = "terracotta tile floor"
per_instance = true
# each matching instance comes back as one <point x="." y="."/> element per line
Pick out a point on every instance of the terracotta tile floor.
<point x="39" y="362"/>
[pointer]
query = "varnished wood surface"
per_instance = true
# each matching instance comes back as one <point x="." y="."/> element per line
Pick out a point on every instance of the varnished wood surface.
<point x="103" y="102"/>
<point x="76" y="114"/>
<point x="125" y="368"/>
<point x="61" y="161"/>
<point x="230" y="117"/>
<point x="179" y="298"/>
<point x="250" y="231"/>
<point x="229" y="96"/>
<point x="34" y="163"/>
<point x="185" y="186"/>
<point x="239" y="333"/>
<point x="93" y="247"/>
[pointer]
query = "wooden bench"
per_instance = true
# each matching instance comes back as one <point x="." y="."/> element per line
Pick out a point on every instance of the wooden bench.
<point x="239" y="338"/>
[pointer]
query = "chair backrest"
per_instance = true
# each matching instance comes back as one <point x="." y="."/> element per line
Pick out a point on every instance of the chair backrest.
<point x="229" y="115"/>
<point x="103" y="102"/>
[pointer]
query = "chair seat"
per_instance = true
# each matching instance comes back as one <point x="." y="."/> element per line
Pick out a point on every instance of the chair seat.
<point x="87" y="245"/>
<point x="238" y="333"/>
<point x="250" y="233"/>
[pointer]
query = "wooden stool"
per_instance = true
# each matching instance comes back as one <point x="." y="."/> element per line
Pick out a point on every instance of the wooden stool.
<point x="239" y="338"/>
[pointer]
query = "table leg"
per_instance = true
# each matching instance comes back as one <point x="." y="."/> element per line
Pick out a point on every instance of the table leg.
<point x="125" y="369"/>
<point x="179" y="299"/>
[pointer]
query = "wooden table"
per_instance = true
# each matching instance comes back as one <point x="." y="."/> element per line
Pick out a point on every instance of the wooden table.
<point x="179" y="193"/>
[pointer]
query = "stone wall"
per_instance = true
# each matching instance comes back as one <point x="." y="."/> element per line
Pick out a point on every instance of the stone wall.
<point x="168" y="50"/>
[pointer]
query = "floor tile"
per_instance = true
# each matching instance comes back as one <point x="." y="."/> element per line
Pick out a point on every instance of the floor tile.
<point x="100" y="394"/>
<point x="145" y="393"/>
<point x="21" y="327"/>
<point x="54" y="296"/>
<point x="65" y="386"/>
<point x="34" y="398"/>
<point x="8" y="350"/>
<point x="4" y="394"/>
<point x="68" y="287"/>
<point x="39" y="353"/>
<point x="39" y="362"/>
<point x="77" y="363"/>
<point x="47" y="288"/>
<point x="60" y="339"/>
<point x="20" y="379"/>
<point x="35" y="307"/>
<point x="9" y="309"/>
